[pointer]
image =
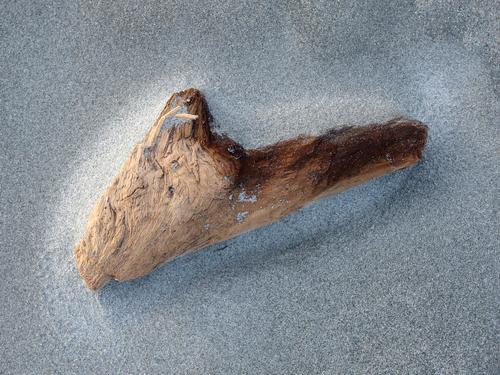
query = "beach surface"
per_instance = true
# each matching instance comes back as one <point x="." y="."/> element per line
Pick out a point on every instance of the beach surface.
<point x="400" y="275"/>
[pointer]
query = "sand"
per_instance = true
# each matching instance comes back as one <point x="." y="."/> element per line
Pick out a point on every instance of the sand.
<point x="401" y="275"/>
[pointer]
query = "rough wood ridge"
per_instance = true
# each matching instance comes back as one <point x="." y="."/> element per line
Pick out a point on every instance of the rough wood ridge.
<point x="185" y="187"/>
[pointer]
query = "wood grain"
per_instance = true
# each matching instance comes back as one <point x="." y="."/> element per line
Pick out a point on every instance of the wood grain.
<point x="185" y="187"/>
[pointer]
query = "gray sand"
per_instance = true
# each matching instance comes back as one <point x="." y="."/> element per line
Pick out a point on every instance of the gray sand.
<point x="399" y="276"/>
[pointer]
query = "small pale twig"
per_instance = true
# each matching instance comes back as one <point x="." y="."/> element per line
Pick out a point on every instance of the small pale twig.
<point x="186" y="116"/>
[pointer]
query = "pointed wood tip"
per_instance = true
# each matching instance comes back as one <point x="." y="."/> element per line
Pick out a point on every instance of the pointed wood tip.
<point x="89" y="270"/>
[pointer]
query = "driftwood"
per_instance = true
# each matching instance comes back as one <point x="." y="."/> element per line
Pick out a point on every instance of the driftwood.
<point x="185" y="187"/>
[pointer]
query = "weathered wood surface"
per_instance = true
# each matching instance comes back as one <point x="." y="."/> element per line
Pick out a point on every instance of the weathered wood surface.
<point x="185" y="187"/>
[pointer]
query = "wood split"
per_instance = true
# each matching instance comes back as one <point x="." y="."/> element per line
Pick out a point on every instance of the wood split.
<point x="185" y="187"/>
<point x="172" y="112"/>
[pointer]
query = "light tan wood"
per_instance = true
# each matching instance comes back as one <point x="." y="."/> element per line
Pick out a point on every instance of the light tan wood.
<point x="185" y="187"/>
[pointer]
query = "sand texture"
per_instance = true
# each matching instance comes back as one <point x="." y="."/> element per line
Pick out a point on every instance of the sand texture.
<point x="400" y="275"/>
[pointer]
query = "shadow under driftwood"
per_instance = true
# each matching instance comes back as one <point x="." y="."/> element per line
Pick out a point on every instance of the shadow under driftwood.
<point x="216" y="267"/>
